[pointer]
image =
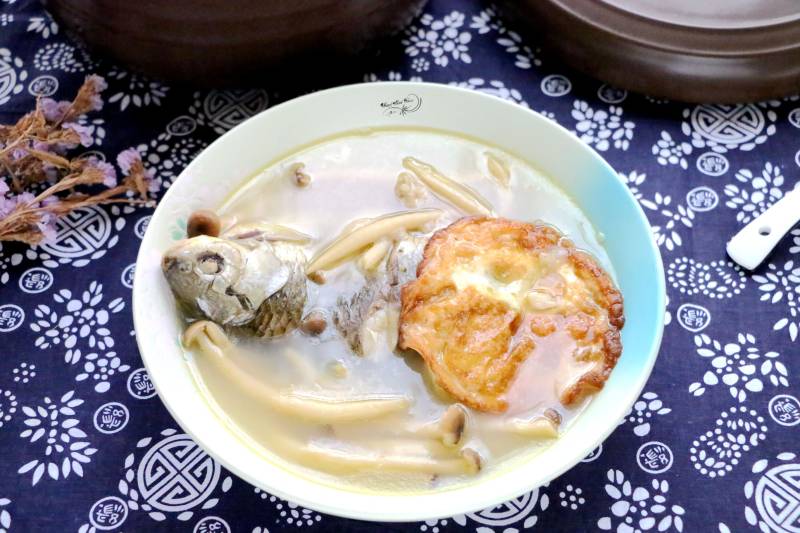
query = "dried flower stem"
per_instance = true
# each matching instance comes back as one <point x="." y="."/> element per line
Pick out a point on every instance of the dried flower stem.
<point x="33" y="151"/>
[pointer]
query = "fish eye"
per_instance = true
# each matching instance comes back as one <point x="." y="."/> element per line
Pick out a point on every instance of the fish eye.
<point x="210" y="263"/>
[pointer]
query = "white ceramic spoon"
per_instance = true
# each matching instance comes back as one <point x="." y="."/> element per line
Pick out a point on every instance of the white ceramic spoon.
<point x="756" y="240"/>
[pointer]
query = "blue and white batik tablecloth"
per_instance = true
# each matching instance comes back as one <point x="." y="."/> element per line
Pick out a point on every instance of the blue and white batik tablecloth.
<point x="711" y="445"/>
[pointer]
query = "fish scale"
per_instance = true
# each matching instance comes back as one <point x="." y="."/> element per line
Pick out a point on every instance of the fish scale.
<point x="283" y="311"/>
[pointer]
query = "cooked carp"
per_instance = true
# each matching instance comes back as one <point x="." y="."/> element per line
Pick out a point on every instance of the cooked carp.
<point x="251" y="277"/>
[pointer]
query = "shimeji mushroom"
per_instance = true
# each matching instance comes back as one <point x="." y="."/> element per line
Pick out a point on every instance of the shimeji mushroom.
<point x="213" y="343"/>
<point x="449" y="429"/>
<point x="449" y="190"/>
<point x="365" y="234"/>
<point x="466" y="462"/>
<point x="541" y="427"/>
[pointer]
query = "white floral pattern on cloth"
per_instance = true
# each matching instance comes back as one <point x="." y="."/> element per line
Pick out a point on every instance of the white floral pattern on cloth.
<point x="390" y="76"/>
<point x="171" y="151"/>
<point x="52" y="424"/>
<point x="740" y="365"/>
<point x="95" y="128"/>
<point x="43" y="26"/>
<point x="24" y="372"/>
<point x="637" y="509"/>
<point x="667" y="219"/>
<point x="5" y="516"/>
<point x="670" y="152"/>
<point x="173" y="477"/>
<point x="671" y="219"/>
<point x="602" y="128"/>
<point x="572" y="497"/>
<point x="289" y="512"/>
<point x="780" y="285"/>
<point x="487" y="21"/>
<point x="8" y="406"/>
<point x="716" y="280"/>
<point x="7" y="261"/>
<point x="100" y="368"/>
<point x="79" y="320"/>
<point x="757" y="193"/>
<point x="735" y="432"/>
<point x="493" y="87"/>
<point x="63" y="57"/>
<point x="438" y="40"/>
<point x="134" y="89"/>
<point x="645" y="408"/>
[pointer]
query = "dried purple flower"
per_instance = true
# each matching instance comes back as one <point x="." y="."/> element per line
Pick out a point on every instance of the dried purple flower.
<point x="127" y="158"/>
<point x="42" y="147"/>
<point x="98" y="82"/>
<point x="24" y="198"/>
<point x="53" y="111"/>
<point x="99" y="85"/>
<point x="83" y="133"/>
<point x="149" y="176"/>
<point x="108" y="170"/>
<point x="33" y="151"/>
<point x="6" y="206"/>
<point x="47" y="226"/>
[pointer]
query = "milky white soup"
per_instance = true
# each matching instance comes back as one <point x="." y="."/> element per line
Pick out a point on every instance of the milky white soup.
<point x="355" y="176"/>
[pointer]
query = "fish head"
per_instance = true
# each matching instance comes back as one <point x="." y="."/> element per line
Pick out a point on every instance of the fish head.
<point x="222" y="280"/>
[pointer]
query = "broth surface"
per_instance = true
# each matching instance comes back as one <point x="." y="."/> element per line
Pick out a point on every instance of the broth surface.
<point x="354" y="177"/>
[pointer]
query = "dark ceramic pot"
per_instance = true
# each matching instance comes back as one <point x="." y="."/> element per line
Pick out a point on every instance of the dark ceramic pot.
<point x="692" y="50"/>
<point x="224" y="42"/>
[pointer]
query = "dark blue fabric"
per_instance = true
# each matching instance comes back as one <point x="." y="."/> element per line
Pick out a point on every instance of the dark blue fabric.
<point x="710" y="446"/>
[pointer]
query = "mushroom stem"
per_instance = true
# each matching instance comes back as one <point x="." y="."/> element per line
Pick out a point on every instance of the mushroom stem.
<point x="537" y="428"/>
<point x="356" y="239"/>
<point x="449" y="429"/>
<point x="371" y="259"/>
<point x="301" y="364"/>
<point x="345" y="462"/>
<point x="214" y="343"/>
<point x="447" y="189"/>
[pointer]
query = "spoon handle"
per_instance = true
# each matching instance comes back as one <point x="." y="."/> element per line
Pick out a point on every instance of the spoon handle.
<point x="756" y="240"/>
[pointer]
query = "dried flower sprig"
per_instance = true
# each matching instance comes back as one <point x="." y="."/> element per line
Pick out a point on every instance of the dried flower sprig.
<point x="34" y="151"/>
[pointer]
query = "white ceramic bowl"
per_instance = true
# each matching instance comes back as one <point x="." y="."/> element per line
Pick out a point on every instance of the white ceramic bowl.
<point x="238" y="154"/>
